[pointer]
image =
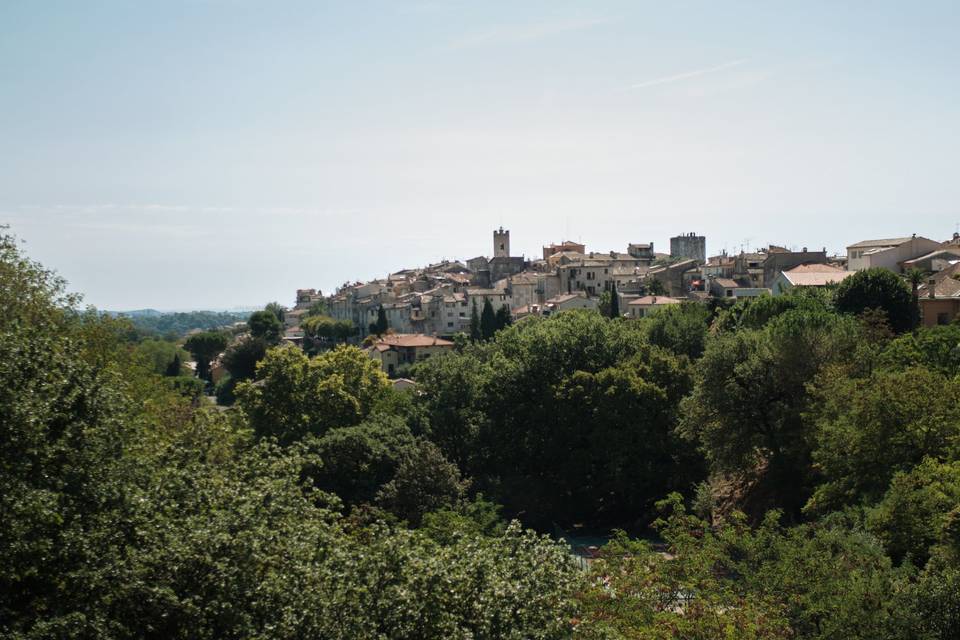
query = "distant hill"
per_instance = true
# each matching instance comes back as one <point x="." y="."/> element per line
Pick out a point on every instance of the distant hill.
<point x="138" y="313"/>
<point x="180" y="323"/>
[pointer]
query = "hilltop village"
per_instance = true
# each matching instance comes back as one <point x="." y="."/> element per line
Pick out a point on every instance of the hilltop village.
<point x="425" y="308"/>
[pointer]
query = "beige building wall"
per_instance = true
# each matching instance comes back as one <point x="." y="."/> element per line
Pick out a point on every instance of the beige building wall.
<point x="862" y="258"/>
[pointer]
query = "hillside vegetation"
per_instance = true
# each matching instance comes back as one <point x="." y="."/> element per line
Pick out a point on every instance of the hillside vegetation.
<point x="799" y="464"/>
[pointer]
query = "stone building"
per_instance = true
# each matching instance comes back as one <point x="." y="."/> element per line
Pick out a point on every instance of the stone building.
<point x="779" y="260"/>
<point x="940" y="297"/>
<point x="888" y="253"/>
<point x="404" y="350"/>
<point x="566" y="245"/>
<point x="501" y="243"/>
<point x="502" y="264"/>
<point x="689" y="245"/>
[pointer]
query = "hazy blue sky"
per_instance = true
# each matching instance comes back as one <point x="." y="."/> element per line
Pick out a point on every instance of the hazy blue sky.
<point x="224" y="152"/>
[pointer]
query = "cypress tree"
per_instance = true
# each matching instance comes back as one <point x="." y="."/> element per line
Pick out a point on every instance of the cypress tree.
<point x="475" y="334"/>
<point x="503" y="318"/>
<point x="381" y="324"/>
<point x="488" y="320"/>
<point x="614" y="302"/>
<point x="173" y="369"/>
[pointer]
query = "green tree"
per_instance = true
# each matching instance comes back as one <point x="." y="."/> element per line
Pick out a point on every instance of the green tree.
<point x="318" y="308"/>
<point x="614" y="302"/>
<point x="241" y="357"/>
<point x="204" y="347"/>
<point x="654" y="287"/>
<point x="277" y="310"/>
<point x="265" y="325"/>
<point x="748" y="406"/>
<point x="933" y="348"/>
<point x="159" y="355"/>
<point x="678" y="599"/>
<point x="915" y="277"/>
<point x="475" y="332"/>
<point x="343" y="330"/>
<point x="127" y="513"/>
<point x="355" y="462"/>
<point x="877" y="288"/>
<point x="557" y="417"/>
<point x="488" y="320"/>
<point x="424" y="481"/>
<point x="381" y="325"/>
<point x="319" y="327"/>
<point x="296" y="395"/>
<point x="451" y="392"/>
<point x="869" y="428"/>
<point x="755" y="313"/>
<point x="320" y="330"/>
<point x="680" y="328"/>
<point x="476" y="517"/>
<point x="502" y="318"/>
<point x="932" y="602"/>
<point x="603" y="303"/>
<point x="911" y="518"/>
<point x="613" y="448"/>
<point x="730" y="581"/>
<point x="175" y="368"/>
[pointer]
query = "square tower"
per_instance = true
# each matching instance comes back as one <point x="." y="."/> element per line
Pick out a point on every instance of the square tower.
<point x="501" y="243"/>
<point x="689" y="245"/>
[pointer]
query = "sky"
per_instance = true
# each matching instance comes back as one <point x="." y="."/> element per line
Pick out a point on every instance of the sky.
<point x="223" y="153"/>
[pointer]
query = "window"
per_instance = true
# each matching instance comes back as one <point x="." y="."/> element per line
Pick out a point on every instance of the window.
<point x="449" y="324"/>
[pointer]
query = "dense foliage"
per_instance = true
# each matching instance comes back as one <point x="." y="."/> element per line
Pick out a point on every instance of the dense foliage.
<point x="130" y="513"/>
<point x="793" y="464"/>
<point x="877" y="289"/>
<point x="564" y="420"/>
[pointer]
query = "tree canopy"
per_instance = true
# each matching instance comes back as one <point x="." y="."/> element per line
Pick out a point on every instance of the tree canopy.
<point x="204" y="347"/>
<point x="772" y="469"/>
<point x="877" y="288"/>
<point x="265" y="325"/>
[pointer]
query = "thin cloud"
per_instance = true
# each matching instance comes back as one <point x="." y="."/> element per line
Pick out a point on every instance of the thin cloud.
<point x="680" y="77"/>
<point x="511" y="34"/>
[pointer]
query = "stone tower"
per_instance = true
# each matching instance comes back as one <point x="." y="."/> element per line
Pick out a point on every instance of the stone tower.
<point x="689" y="245"/>
<point x="501" y="243"/>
